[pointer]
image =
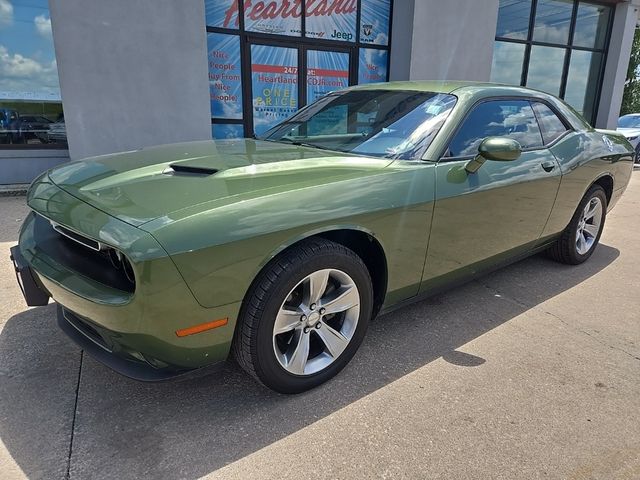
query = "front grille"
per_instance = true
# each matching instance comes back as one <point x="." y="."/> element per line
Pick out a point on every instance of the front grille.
<point x="77" y="254"/>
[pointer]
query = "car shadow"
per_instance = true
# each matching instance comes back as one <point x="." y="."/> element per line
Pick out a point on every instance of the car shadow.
<point x="191" y="427"/>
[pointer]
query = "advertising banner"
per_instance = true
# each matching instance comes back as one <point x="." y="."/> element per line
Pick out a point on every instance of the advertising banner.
<point x="274" y="82"/>
<point x="374" y="21"/>
<point x="227" y="131"/>
<point x="225" y="76"/>
<point x="372" y="66"/>
<point x="277" y="17"/>
<point x="221" y="13"/>
<point x="326" y="72"/>
<point x="331" y="19"/>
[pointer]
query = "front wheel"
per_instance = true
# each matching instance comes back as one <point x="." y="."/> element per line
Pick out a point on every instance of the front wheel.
<point x="304" y="316"/>
<point x="580" y="238"/>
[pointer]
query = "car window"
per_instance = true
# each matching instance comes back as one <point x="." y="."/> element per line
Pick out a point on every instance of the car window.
<point x="551" y="126"/>
<point x="629" y="121"/>
<point x="394" y="124"/>
<point x="497" y="118"/>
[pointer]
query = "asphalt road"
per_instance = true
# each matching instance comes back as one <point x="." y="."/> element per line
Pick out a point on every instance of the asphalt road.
<point x="531" y="372"/>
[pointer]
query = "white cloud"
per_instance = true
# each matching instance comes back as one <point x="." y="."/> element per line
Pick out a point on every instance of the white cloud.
<point x="43" y="25"/>
<point x="20" y="73"/>
<point x="6" y="13"/>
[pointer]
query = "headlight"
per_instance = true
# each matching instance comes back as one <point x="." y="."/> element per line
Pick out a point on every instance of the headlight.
<point x="119" y="261"/>
<point x="632" y="138"/>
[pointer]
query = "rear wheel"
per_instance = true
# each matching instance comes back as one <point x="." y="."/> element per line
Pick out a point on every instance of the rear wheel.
<point x="304" y="316"/>
<point x="580" y="238"/>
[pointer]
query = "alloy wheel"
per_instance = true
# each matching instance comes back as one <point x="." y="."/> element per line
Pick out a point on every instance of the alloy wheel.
<point x="589" y="225"/>
<point x="316" y="322"/>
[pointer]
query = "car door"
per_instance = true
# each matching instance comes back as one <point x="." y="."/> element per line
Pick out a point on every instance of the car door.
<point x="484" y="217"/>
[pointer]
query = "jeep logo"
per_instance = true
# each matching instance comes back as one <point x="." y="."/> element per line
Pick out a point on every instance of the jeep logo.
<point x="342" y="35"/>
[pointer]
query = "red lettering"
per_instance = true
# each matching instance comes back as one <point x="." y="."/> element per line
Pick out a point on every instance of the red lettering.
<point x="286" y="8"/>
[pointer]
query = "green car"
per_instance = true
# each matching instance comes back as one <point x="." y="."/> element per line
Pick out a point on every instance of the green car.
<point x="164" y="260"/>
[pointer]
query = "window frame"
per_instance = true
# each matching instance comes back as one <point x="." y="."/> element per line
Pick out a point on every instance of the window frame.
<point x="568" y="47"/>
<point x="570" y="129"/>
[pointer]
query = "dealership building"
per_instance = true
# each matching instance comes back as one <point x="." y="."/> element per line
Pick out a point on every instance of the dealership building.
<point x="88" y="77"/>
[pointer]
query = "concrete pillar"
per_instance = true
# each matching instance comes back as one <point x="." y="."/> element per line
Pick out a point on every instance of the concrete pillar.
<point x="615" y="74"/>
<point x="132" y="74"/>
<point x="438" y="40"/>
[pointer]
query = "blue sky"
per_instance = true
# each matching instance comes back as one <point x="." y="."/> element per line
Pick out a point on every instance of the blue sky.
<point x="27" y="58"/>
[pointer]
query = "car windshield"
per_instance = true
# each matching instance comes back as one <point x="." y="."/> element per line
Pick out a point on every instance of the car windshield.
<point x="382" y="123"/>
<point x="629" y="121"/>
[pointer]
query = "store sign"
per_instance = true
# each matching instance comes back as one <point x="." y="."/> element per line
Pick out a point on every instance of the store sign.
<point x="374" y="21"/>
<point x="225" y="77"/>
<point x="372" y="66"/>
<point x="331" y="20"/>
<point x="216" y="12"/>
<point x="274" y="82"/>
<point x="326" y="72"/>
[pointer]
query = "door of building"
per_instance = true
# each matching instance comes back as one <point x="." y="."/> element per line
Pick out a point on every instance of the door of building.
<point x="286" y="76"/>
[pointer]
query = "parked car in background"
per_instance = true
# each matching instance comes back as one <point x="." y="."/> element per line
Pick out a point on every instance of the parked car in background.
<point x="35" y="127"/>
<point x="10" y="128"/>
<point x="282" y="249"/>
<point x="629" y="126"/>
<point x="57" y="132"/>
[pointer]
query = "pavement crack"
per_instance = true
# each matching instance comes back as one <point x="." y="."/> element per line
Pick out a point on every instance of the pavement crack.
<point x="73" y="421"/>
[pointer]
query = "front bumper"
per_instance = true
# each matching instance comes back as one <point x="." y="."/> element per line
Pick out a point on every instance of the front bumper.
<point x="133" y="332"/>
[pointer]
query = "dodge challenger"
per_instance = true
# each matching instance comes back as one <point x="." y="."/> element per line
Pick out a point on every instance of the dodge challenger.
<point x="280" y="250"/>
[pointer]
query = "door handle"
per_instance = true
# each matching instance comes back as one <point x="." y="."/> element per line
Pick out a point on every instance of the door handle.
<point x="548" y="166"/>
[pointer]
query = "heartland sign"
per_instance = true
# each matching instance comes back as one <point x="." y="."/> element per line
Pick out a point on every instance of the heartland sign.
<point x="284" y="9"/>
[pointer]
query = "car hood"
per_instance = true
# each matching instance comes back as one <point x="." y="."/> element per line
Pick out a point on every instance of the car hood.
<point x="629" y="132"/>
<point x="143" y="185"/>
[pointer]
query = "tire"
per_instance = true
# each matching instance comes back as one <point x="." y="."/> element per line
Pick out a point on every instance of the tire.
<point x="569" y="248"/>
<point x="284" y="287"/>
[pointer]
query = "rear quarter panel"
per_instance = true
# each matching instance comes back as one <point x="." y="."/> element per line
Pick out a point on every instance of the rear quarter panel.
<point x="584" y="157"/>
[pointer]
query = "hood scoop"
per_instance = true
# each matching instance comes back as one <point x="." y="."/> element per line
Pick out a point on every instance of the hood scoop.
<point x="189" y="170"/>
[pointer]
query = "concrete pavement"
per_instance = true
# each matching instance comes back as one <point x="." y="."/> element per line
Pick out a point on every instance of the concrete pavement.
<point x="531" y="372"/>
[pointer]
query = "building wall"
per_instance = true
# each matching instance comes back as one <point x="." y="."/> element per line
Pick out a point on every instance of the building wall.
<point x="434" y="40"/>
<point x="132" y="74"/>
<point x="615" y="74"/>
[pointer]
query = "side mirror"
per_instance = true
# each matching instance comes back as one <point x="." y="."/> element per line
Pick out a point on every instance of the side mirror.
<point x="499" y="149"/>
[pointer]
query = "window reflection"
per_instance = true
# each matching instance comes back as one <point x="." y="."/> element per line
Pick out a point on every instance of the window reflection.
<point x="30" y="105"/>
<point x="553" y="20"/>
<point x="506" y="66"/>
<point x="545" y="69"/>
<point x="582" y="81"/>
<point x="592" y="22"/>
<point x="513" y="19"/>
<point x="513" y="119"/>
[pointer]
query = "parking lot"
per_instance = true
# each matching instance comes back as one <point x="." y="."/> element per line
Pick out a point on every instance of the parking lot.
<point x="530" y="372"/>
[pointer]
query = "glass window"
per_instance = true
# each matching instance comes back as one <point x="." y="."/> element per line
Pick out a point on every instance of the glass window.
<point x="30" y="104"/>
<point x="381" y="123"/>
<point x="221" y="131"/>
<point x="372" y="65"/>
<point x="545" y="68"/>
<point x="374" y="21"/>
<point x="274" y="83"/>
<point x="277" y="17"/>
<point x="551" y="126"/>
<point x="225" y="79"/>
<point x="592" y="23"/>
<point x="326" y="71"/>
<point x="582" y="81"/>
<point x="513" y="19"/>
<point x="553" y="20"/>
<point x="506" y="66"/>
<point x="221" y="13"/>
<point x="330" y="22"/>
<point x="499" y="118"/>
